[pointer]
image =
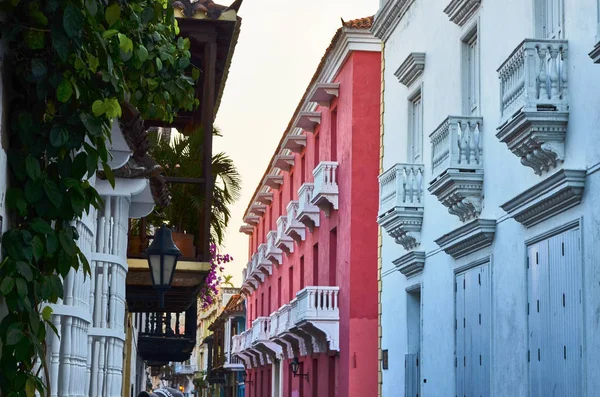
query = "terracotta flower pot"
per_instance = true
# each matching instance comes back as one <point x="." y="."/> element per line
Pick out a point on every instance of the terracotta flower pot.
<point x="185" y="243"/>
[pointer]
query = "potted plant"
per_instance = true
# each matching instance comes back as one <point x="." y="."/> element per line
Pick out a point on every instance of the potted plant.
<point x="181" y="156"/>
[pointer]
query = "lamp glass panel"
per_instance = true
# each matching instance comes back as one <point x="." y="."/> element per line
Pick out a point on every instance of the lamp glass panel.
<point x="169" y="262"/>
<point x="155" y="268"/>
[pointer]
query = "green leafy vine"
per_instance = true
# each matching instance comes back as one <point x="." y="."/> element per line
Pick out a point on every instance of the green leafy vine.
<point x="72" y="63"/>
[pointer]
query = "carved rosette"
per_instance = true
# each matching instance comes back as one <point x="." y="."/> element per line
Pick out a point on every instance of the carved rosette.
<point x="537" y="138"/>
<point x="461" y="192"/>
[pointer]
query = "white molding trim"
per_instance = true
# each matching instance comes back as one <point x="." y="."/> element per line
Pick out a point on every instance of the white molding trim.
<point x="471" y="265"/>
<point x="574" y="224"/>
<point x="468" y="238"/>
<point x="388" y="17"/>
<point x="107" y="332"/>
<point x="59" y="309"/>
<point x="557" y="193"/>
<point x="460" y="11"/>
<point x="411" y="264"/>
<point x="116" y="259"/>
<point x="411" y="69"/>
<point x="351" y="40"/>
<point x="123" y="187"/>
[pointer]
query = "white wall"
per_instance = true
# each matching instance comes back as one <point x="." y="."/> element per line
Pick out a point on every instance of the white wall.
<point x="502" y="26"/>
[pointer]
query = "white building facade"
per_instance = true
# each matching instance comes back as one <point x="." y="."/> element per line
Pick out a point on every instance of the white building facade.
<point x="86" y="357"/>
<point x="490" y="282"/>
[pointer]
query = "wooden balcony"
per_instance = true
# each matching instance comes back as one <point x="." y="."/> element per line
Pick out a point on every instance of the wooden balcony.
<point x="167" y="336"/>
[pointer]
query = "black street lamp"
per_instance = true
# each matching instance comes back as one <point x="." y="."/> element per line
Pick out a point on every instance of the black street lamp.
<point x="162" y="260"/>
<point x="295" y="365"/>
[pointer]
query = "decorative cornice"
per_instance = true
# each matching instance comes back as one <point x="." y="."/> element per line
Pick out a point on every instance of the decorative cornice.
<point x="537" y="138"/>
<point x="411" y="69"/>
<point x="468" y="238"/>
<point x="247" y="229"/>
<point x="294" y="143"/>
<point x="284" y="162"/>
<point x="460" y="11"/>
<point x="273" y="181"/>
<point x="257" y="207"/>
<point x="308" y="121"/>
<point x="265" y="197"/>
<point x="411" y="264"/>
<point x="595" y="54"/>
<point x="252" y="219"/>
<point x="554" y="195"/>
<point x="388" y="17"/>
<point x="323" y="93"/>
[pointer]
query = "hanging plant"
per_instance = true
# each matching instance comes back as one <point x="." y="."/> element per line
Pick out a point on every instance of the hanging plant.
<point x="71" y="63"/>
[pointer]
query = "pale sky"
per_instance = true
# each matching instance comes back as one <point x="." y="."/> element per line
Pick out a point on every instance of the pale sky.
<point x="278" y="51"/>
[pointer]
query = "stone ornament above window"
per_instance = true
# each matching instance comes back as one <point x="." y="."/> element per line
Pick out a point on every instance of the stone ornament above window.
<point x="389" y="16"/>
<point x="468" y="238"/>
<point x="556" y="194"/>
<point x="411" y="264"/>
<point x="460" y="11"/>
<point x="411" y="69"/>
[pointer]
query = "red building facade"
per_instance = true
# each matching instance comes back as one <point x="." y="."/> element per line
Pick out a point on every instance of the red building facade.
<point x="311" y="281"/>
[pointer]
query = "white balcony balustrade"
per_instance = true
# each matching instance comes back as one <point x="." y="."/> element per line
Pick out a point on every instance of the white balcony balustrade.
<point x="401" y="203"/>
<point x="261" y="340"/>
<point x="264" y="264"/>
<point x="256" y="272"/>
<point x="260" y="329"/>
<point x="283" y="241"/>
<point x="273" y="253"/>
<point x="326" y="193"/>
<point x="295" y="229"/>
<point x="184" y="369"/>
<point x="457" y="165"/>
<point x="316" y="312"/>
<point x="534" y="89"/>
<point x="308" y="214"/>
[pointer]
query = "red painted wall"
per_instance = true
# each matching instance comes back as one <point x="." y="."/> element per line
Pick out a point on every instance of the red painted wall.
<point x="357" y="151"/>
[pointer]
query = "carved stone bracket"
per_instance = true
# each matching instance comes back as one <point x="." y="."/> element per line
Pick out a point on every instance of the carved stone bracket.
<point x="284" y="162"/>
<point x="411" y="69"/>
<point x="247" y="229"/>
<point x="252" y="219"/>
<point x="537" y="138"/>
<point x="468" y="238"/>
<point x="323" y="93"/>
<point x="294" y="143"/>
<point x="298" y="343"/>
<point x="258" y="208"/>
<point x="308" y="121"/>
<point x="283" y="241"/>
<point x="265" y="197"/>
<point x="411" y="264"/>
<point x="404" y="225"/>
<point x="273" y="181"/>
<point x="556" y="194"/>
<point x="460" y="191"/>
